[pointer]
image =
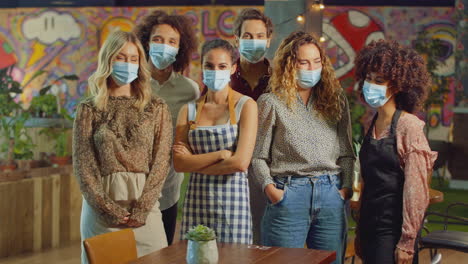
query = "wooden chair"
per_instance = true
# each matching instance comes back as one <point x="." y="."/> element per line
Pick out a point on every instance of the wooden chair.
<point x="111" y="248"/>
<point x="350" y="252"/>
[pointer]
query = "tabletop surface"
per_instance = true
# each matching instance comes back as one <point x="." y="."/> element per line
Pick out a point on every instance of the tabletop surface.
<point x="240" y="253"/>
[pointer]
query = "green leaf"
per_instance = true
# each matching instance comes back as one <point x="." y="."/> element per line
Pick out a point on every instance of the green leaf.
<point x="71" y="77"/>
<point x="44" y="90"/>
<point x="65" y="115"/>
<point x="201" y="233"/>
<point x="15" y="88"/>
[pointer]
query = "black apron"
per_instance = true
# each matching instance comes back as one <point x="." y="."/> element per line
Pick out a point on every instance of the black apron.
<point x="381" y="213"/>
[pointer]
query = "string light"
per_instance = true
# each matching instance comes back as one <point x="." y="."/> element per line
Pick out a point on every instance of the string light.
<point x="322" y="39"/>
<point x="300" y="18"/>
<point x="322" y="6"/>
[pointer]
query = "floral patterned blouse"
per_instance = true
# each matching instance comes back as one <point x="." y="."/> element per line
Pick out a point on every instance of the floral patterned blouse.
<point x="416" y="159"/>
<point x="121" y="139"/>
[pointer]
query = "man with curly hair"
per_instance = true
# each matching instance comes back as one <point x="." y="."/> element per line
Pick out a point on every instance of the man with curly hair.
<point x="395" y="157"/>
<point x="169" y="42"/>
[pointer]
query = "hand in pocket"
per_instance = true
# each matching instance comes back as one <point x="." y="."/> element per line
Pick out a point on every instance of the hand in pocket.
<point x="274" y="194"/>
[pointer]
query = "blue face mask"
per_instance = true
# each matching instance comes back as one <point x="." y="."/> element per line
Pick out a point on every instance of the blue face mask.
<point x="216" y="80"/>
<point x="124" y="72"/>
<point x="374" y="94"/>
<point x="308" y="79"/>
<point x="162" y="55"/>
<point x="253" y="50"/>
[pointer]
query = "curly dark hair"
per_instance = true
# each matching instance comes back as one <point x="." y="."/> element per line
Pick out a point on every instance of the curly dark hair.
<point x="182" y="24"/>
<point x="219" y="44"/>
<point x="252" y="14"/>
<point x="404" y="69"/>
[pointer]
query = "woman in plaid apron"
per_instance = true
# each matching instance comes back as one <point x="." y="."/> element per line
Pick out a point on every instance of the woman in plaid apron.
<point x="214" y="141"/>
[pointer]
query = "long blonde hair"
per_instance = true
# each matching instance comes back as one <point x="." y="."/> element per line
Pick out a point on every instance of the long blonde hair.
<point x="98" y="81"/>
<point x="328" y="96"/>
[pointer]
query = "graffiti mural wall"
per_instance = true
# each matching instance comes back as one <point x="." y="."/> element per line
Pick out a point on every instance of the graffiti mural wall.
<point x="66" y="40"/>
<point x="348" y="29"/>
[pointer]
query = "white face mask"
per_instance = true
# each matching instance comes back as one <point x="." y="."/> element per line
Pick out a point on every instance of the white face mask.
<point x="216" y="80"/>
<point x="308" y="79"/>
<point x="124" y="72"/>
<point x="253" y="50"/>
<point x="162" y="55"/>
<point x="374" y="94"/>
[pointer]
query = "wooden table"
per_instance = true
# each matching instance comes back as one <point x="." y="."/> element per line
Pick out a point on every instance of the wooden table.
<point x="240" y="253"/>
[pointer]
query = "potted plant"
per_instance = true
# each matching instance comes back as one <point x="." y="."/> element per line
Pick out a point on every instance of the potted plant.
<point x="8" y="106"/>
<point x="46" y="107"/>
<point x="201" y="248"/>
<point x="59" y="135"/>
<point x="18" y="144"/>
<point x="43" y="106"/>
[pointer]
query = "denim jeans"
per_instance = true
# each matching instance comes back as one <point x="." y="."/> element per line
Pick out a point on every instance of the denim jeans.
<point x="311" y="212"/>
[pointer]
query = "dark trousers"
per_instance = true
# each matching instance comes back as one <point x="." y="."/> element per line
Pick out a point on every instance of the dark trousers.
<point x="257" y="208"/>
<point x="169" y="218"/>
<point x="381" y="249"/>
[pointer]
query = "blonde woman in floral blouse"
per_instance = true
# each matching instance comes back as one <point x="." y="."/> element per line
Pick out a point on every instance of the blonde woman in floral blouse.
<point x="121" y="143"/>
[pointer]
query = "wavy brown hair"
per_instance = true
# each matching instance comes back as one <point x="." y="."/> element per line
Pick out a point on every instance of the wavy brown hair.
<point x="328" y="96"/>
<point x="403" y="68"/>
<point x="188" y="41"/>
<point x="252" y="14"/>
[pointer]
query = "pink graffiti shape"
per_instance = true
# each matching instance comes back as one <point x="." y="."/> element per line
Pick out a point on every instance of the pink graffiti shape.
<point x="225" y="28"/>
<point x="206" y="30"/>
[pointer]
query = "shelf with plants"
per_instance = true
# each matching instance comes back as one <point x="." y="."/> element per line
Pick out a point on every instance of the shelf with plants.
<point x="60" y="136"/>
<point x="46" y="110"/>
<point x="16" y="144"/>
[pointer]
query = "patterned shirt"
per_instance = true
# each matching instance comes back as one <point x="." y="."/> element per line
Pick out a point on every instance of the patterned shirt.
<point x="121" y="139"/>
<point x="299" y="142"/>
<point x="242" y="86"/>
<point x="416" y="159"/>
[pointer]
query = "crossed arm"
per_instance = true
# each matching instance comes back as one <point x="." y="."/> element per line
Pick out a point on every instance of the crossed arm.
<point x="219" y="162"/>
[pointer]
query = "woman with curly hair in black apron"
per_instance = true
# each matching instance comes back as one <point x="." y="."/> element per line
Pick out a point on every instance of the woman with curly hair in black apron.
<point x="395" y="157"/>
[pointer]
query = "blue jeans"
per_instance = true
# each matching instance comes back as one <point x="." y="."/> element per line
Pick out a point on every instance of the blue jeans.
<point x="311" y="211"/>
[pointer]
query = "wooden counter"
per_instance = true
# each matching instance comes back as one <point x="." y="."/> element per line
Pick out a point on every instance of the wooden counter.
<point x="40" y="208"/>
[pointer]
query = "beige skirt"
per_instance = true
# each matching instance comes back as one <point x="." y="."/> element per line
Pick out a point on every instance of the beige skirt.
<point x="124" y="187"/>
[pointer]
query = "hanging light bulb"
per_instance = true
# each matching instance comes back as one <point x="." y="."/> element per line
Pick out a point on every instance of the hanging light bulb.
<point x="322" y="6"/>
<point x="322" y="39"/>
<point x="300" y="18"/>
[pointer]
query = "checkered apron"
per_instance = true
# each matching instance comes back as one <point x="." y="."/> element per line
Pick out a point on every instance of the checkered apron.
<point x="220" y="202"/>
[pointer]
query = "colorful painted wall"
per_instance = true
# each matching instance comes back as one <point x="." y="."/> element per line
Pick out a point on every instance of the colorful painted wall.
<point x="348" y="29"/>
<point x="66" y="40"/>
